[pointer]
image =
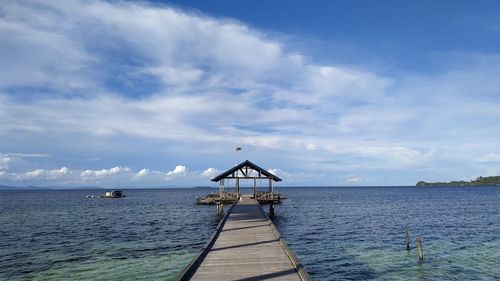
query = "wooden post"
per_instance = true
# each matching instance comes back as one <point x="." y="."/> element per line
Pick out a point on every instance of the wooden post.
<point x="254" y="188"/>
<point x="238" y="186"/>
<point x="407" y="237"/>
<point x="270" y="185"/>
<point x="221" y="188"/>
<point x="419" y="245"/>
<point x="220" y="208"/>
<point x="271" y="210"/>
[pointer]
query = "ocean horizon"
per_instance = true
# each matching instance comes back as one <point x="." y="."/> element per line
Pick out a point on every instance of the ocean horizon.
<point x="340" y="233"/>
<point x="103" y="188"/>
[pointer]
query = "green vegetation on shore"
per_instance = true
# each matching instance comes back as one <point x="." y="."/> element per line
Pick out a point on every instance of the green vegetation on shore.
<point x="495" y="180"/>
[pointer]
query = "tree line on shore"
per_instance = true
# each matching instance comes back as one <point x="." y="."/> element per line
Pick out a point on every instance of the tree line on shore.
<point x="494" y="180"/>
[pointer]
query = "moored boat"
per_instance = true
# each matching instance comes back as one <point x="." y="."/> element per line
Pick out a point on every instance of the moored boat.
<point x="114" y="194"/>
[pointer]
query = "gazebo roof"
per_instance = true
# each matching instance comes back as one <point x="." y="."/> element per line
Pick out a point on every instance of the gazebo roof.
<point x="246" y="168"/>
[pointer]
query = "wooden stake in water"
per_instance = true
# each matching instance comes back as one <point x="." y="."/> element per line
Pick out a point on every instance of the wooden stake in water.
<point x="220" y="208"/>
<point x="407" y="237"/>
<point x="419" y="245"/>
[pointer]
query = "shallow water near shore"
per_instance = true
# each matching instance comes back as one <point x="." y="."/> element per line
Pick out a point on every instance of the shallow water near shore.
<point x="61" y="235"/>
<point x="341" y="233"/>
<point x="357" y="233"/>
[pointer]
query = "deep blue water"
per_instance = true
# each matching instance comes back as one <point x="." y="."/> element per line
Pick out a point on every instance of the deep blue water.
<point x="352" y="233"/>
<point x="357" y="233"/>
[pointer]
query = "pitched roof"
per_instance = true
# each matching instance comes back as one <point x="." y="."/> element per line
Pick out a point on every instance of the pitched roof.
<point x="244" y="166"/>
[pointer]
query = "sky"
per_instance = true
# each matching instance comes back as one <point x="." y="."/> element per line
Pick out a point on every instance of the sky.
<point x="331" y="93"/>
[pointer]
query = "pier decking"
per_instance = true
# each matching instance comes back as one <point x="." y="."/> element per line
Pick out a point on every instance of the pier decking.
<point x="246" y="247"/>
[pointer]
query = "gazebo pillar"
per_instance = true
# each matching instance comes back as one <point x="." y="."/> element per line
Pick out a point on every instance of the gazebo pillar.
<point x="238" y="186"/>
<point x="271" y="206"/>
<point x="221" y="188"/>
<point x="254" y="188"/>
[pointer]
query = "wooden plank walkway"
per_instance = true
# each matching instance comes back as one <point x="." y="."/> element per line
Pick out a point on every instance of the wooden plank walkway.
<point x="249" y="248"/>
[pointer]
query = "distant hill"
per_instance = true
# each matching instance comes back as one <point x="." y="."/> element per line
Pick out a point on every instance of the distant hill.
<point x="480" y="181"/>
<point x="7" y="187"/>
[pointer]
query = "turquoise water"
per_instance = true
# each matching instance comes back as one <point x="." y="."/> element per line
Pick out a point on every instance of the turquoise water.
<point x="61" y="235"/>
<point x="353" y="233"/>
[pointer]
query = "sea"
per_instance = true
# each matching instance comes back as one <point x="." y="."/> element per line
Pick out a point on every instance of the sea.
<point x="338" y="233"/>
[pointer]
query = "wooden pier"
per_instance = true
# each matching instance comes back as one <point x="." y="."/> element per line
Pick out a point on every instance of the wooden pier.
<point x="245" y="246"/>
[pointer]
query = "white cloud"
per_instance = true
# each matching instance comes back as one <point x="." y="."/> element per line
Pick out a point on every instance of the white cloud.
<point x="275" y="172"/>
<point x="174" y="75"/>
<point x="33" y="174"/>
<point x="100" y="174"/>
<point x="394" y="153"/>
<point x="490" y="157"/>
<point x="5" y="161"/>
<point x="143" y="173"/>
<point x="179" y="170"/>
<point x="311" y="146"/>
<point x="62" y="171"/>
<point x="300" y="177"/>
<point x="210" y="172"/>
<point x="30" y="155"/>
<point x="115" y="175"/>
<point x="30" y="52"/>
<point x="352" y="178"/>
<point x="238" y="58"/>
<point x="41" y="174"/>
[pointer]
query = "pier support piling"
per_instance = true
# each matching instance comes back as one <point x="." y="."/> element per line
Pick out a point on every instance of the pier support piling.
<point x="220" y="208"/>
<point x="271" y="211"/>
<point x="254" y="188"/>
<point x="238" y="186"/>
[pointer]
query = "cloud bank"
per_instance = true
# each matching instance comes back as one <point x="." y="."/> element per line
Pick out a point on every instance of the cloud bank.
<point x="146" y="84"/>
<point x="111" y="176"/>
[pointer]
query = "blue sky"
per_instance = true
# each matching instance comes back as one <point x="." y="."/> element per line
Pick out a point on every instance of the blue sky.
<point x="128" y="93"/>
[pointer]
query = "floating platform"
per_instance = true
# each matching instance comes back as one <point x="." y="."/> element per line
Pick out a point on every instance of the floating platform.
<point x="268" y="197"/>
<point x="229" y="198"/>
<point x="226" y="198"/>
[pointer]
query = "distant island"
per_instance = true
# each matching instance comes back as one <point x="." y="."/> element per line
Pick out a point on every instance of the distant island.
<point x="480" y="181"/>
